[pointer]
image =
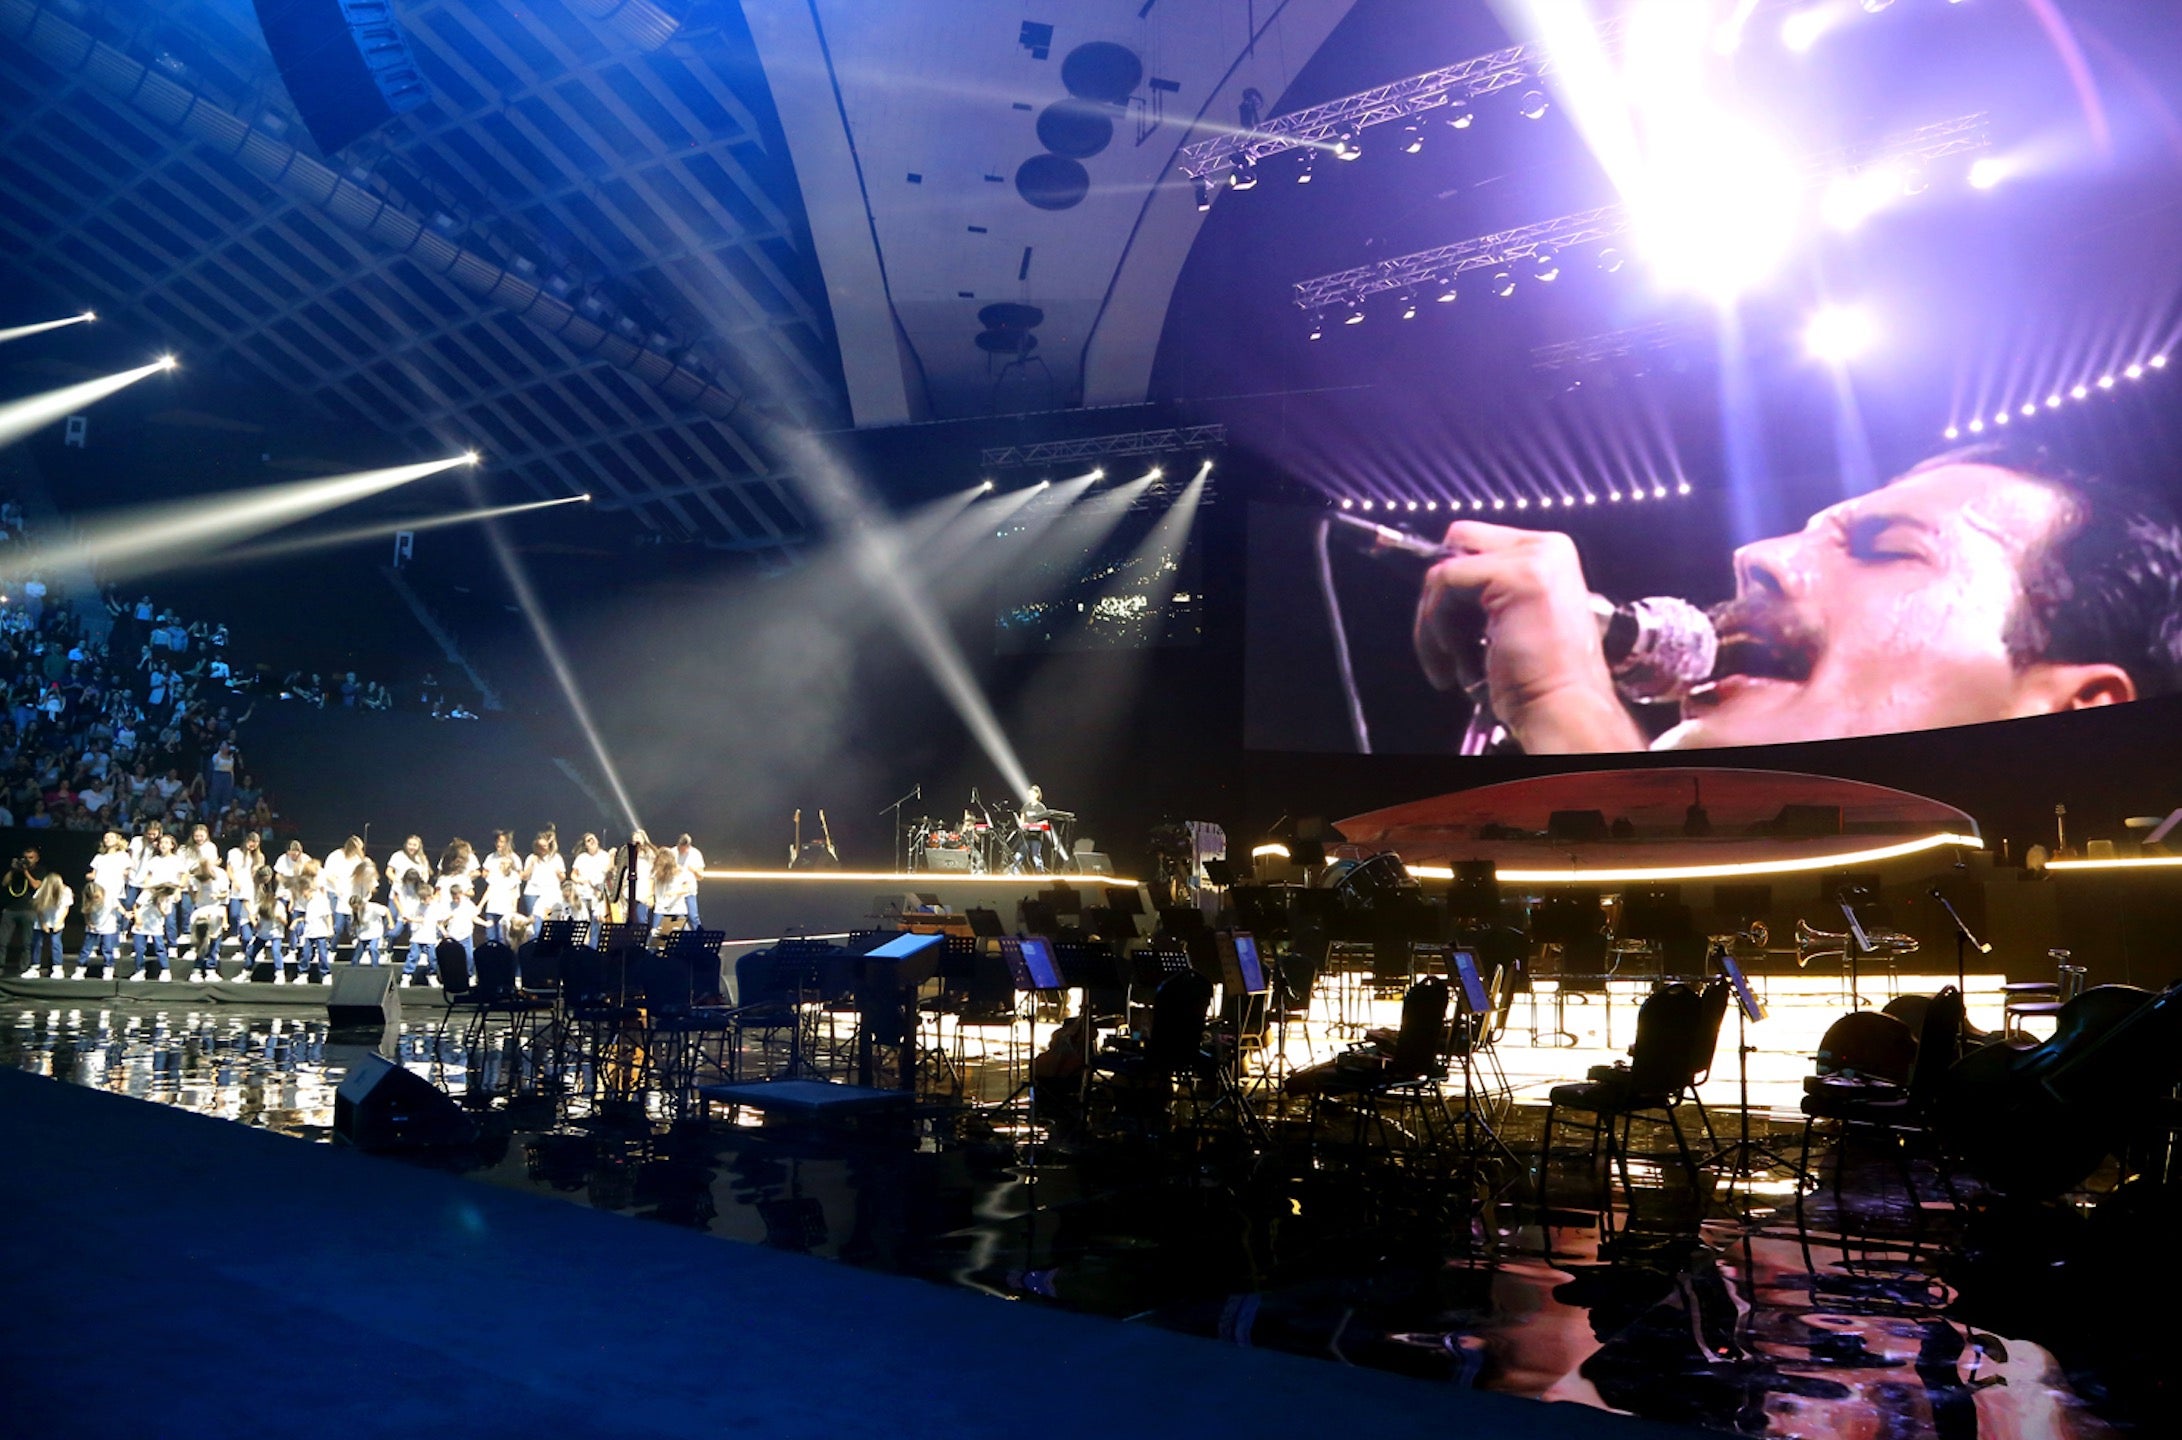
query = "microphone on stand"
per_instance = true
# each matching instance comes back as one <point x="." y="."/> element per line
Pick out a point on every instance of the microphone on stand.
<point x="1657" y="648"/>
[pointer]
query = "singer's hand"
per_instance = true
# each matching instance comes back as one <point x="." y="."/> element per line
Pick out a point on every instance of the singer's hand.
<point x="1545" y="667"/>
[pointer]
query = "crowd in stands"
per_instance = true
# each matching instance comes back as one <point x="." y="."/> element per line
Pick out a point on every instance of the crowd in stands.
<point x="151" y="900"/>
<point x="114" y="728"/>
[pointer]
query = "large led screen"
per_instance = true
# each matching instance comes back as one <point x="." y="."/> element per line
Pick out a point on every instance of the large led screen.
<point x="1980" y="583"/>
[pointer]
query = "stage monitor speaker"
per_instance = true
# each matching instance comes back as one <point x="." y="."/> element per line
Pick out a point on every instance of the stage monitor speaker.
<point x="953" y="862"/>
<point x="346" y="64"/>
<point x="364" y="997"/>
<point x="381" y="1106"/>
<point x="1092" y="862"/>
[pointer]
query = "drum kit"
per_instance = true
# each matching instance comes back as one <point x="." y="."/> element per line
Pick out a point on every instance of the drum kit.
<point x="990" y="841"/>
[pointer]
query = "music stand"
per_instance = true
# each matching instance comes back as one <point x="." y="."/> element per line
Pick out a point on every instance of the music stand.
<point x="1749" y="1010"/>
<point x="1473" y="896"/>
<point x="1472" y="999"/>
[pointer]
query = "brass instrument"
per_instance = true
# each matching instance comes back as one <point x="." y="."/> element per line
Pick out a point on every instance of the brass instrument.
<point x="1813" y="943"/>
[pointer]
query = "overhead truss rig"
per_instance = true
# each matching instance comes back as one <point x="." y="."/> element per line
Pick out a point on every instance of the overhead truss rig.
<point x="1613" y="345"/>
<point x="1321" y="125"/>
<point x="1103" y="447"/>
<point x="1422" y="269"/>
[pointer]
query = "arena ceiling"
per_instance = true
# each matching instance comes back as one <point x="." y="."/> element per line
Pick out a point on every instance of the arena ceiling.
<point x="622" y="242"/>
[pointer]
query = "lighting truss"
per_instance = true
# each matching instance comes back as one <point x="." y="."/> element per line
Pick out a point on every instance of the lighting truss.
<point x="1612" y="345"/>
<point x="1435" y="89"/>
<point x="1102" y="447"/>
<point x="1963" y="135"/>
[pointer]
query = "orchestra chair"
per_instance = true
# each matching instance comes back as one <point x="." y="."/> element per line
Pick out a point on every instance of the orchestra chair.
<point x="677" y="1027"/>
<point x="1371" y="1071"/>
<point x="1171" y="1053"/>
<point x="496" y="992"/>
<point x="1895" y="1113"/>
<point x="1479" y="1035"/>
<point x="2043" y="999"/>
<point x="593" y="1010"/>
<point x="1662" y="1069"/>
<point x="768" y="1001"/>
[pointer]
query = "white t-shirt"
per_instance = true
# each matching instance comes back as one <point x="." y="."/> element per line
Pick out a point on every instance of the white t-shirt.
<point x="546" y="874"/>
<point x="589" y="871"/>
<point x="372" y="926"/>
<point x="503" y="884"/>
<point x="400" y="864"/>
<point x="110" y="871"/>
<point x="242" y="875"/>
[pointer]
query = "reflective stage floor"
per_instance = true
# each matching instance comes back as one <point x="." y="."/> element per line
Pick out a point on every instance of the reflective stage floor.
<point x="1712" y="1308"/>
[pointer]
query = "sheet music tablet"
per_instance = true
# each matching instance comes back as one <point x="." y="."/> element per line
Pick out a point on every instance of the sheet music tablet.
<point x="1753" y="1008"/>
<point x="1473" y="985"/>
<point x="1031" y="963"/>
<point x="1241" y="971"/>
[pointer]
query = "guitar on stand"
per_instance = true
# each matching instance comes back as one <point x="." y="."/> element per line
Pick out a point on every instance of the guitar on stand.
<point x="795" y="846"/>
<point x="833" y="856"/>
<point x="815" y="854"/>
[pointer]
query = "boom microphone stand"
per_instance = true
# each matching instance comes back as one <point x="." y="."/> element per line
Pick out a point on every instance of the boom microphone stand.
<point x="1963" y="936"/>
<point x="1743" y="1148"/>
<point x="916" y="792"/>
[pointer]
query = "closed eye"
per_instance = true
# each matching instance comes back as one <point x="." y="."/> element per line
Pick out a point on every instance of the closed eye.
<point x="1881" y="539"/>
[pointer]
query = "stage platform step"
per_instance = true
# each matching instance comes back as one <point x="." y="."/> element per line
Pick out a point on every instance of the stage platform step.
<point x="183" y="991"/>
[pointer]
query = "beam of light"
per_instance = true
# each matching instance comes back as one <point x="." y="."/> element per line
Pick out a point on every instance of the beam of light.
<point x="17" y="332"/>
<point x="550" y="646"/>
<point x="119" y="544"/>
<point x="1742" y="445"/>
<point x="382" y="530"/>
<point x="34" y="412"/>
<point x="850" y="512"/>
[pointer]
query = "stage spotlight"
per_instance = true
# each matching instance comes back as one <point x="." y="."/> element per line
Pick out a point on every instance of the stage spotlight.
<point x="2001" y="418"/>
<point x="1355" y="316"/>
<point x="1412" y="138"/>
<point x="1659" y="492"/>
<point x="2134" y="372"/>
<point x="17" y="332"/>
<point x="34" y="412"/>
<point x="1347" y="503"/>
<point x="1308" y="165"/>
<point x="1431" y="504"/>
<point x="1100" y="474"/>
<point x="1977" y="427"/>
<point x="1318" y="327"/>
<point x="1546" y="264"/>
<point x="2079" y="392"/>
<point x="986" y="488"/>
<point x="1719" y="211"/>
<point x="1203" y="193"/>
<point x="2159" y="362"/>
<point x="1800" y="31"/>
<point x="1154" y="473"/>
<point x="1522" y="502"/>
<point x="1345" y="146"/>
<point x="1613" y="497"/>
<point x="1589" y="498"/>
<point x="1534" y="105"/>
<point x="1953" y="432"/>
<point x="1447" y="293"/>
<point x="1838" y="334"/>
<point x="1244" y="176"/>
<point x="1987" y="172"/>
<point x="1463" y="118"/>
<point x="1045" y="484"/>
<point x="1611" y="260"/>
<point x="471" y="457"/>
<point x="2028" y="409"/>
<point x="2106" y="382"/>
<point x="1637" y="493"/>
<point x="1503" y="284"/>
<point x="168" y="362"/>
<point x="1409" y="305"/>
<point x="2053" y="402"/>
<point x="1414" y="507"/>
<point x="1367" y="505"/>
<point x="1499" y="504"/>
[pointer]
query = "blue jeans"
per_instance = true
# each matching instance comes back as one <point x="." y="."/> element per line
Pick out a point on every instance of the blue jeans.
<point x="366" y="948"/>
<point x="158" y="943"/>
<point x="50" y="942"/>
<point x="420" y="954"/>
<point x="266" y="940"/>
<point x="238" y="920"/>
<point x="103" y="947"/>
<point x="317" y="952"/>
<point x="496" y="926"/>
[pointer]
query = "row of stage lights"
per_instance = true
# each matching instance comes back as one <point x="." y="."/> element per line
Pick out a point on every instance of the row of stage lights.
<point x="1346" y="146"/>
<point x="2031" y="409"/>
<point x="1634" y="495"/>
<point x="1848" y="202"/>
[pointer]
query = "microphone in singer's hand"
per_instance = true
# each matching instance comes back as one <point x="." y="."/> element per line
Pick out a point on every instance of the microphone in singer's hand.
<point x="1658" y="648"/>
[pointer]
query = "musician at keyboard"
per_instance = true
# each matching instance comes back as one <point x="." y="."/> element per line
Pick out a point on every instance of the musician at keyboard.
<point x="1037" y="839"/>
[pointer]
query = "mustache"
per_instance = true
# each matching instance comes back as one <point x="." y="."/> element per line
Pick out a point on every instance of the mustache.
<point x="1765" y="637"/>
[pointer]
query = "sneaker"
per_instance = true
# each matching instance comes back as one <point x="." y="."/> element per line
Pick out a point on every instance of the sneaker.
<point x="30" y="974"/>
<point x="165" y="976"/>
<point x="197" y="977"/>
<point x="407" y="981"/>
<point x="76" y="974"/>
<point x="280" y="978"/>
<point x="137" y="976"/>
